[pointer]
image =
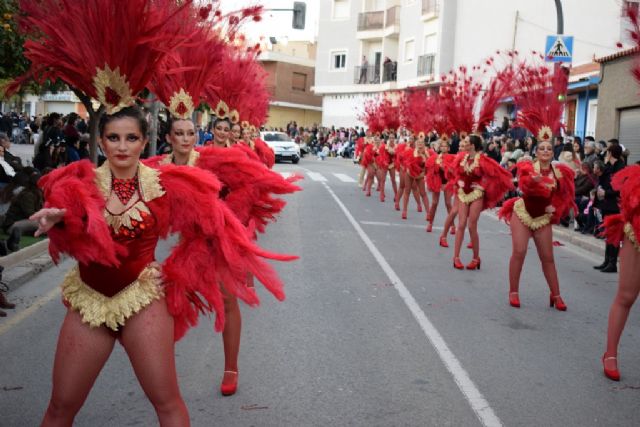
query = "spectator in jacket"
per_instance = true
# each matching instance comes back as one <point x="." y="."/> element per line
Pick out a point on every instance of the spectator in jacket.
<point x="585" y="182"/>
<point x="590" y="154"/>
<point x="26" y="202"/>
<point x="607" y="200"/>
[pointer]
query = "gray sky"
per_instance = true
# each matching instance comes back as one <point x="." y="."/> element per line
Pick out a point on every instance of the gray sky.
<point x="278" y="24"/>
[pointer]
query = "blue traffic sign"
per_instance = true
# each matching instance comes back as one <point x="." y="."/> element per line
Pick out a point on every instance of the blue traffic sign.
<point x="559" y="48"/>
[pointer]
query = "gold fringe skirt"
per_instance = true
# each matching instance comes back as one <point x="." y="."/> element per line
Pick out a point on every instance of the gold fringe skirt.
<point x="97" y="309"/>
<point x="533" y="223"/>
<point x="631" y="235"/>
<point x="476" y="194"/>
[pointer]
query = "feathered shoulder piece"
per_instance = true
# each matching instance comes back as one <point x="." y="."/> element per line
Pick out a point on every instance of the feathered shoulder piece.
<point x="631" y="12"/>
<point x="106" y="49"/>
<point x="496" y="181"/>
<point x="565" y="194"/>
<point x="627" y="182"/>
<point x="538" y="95"/>
<point x="84" y="233"/>
<point x="214" y="248"/>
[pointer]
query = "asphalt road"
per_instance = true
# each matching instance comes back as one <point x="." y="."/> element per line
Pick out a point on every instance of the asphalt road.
<point x="378" y="329"/>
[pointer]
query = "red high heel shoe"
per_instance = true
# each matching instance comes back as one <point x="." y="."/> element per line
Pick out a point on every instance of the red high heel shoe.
<point x="397" y="206"/>
<point x="453" y="230"/>
<point x="429" y="227"/>
<point x="557" y="301"/>
<point x="612" y="374"/>
<point x="474" y="264"/>
<point x="382" y="197"/>
<point x="470" y="245"/>
<point x="457" y="264"/>
<point x="404" y="214"/>
<point x="229" y="389"/>
<point x="368" y="193"/>
<point x="419" y="208"/>
<point x="514" y="299"/>
<point x="443" y="242"/>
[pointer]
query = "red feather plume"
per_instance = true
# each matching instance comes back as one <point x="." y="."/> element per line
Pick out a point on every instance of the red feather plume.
<point x="107" y="49"/>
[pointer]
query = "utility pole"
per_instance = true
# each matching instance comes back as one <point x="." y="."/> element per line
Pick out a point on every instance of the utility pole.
<point x="559" y="17"/>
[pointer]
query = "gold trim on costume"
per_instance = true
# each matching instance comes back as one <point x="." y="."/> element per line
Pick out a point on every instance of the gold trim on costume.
<point x="469" y="168"/>
<point x="556" y="171"/>
<point x="545" y="133"/>
<point x="97" y="309"/>
<point x="534" y="224"/>
<point x="631" y="235"/>
<point x="476" y="194"/>
<point x="109" y="84"/>
<point x="194" y="155"/>
<point x="181" y="105"/>
<point x="134" y="213"/>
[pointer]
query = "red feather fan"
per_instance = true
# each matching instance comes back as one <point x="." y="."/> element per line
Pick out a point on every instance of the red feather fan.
<point x="418" y="111"/>
<point x="371" y="116"/>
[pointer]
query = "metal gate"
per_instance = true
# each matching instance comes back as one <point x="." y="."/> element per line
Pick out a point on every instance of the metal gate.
<point x="629" y="134"/>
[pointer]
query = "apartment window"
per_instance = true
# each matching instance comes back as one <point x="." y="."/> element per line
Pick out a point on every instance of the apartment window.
<point x="430" y="45"/>
<point x="340" y="9"/>
<point x="299" y="82"/>
<point x="338" y="60"/>
<point x="409" y="50"/>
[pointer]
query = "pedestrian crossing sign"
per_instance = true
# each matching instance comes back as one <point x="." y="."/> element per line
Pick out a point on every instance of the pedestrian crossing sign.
<point x="559" y="48"/>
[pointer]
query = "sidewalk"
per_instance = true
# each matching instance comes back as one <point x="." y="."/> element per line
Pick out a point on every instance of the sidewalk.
<point x="25" y="264"/>
<point x="585" y="241"/>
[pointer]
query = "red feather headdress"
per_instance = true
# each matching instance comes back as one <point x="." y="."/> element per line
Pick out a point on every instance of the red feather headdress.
<point x="634" y="33"/>
<point x="389" y="115"/>
<point x="371" y="116"/>
<point x="537" y="90"/>
<point x="418" y="111"/>
<point x="184" y="73"/>
<point x="107" y="49"/>
<point x="239" y="91"/>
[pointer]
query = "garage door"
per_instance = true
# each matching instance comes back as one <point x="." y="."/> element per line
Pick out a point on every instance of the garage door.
<point x="630" y="132"/>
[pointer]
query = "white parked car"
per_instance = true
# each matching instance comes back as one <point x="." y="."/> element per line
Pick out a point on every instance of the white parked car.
<point x="283" y="146"/>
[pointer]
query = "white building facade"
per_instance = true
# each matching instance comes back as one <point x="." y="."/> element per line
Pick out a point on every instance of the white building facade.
<point x="367" y="47"/>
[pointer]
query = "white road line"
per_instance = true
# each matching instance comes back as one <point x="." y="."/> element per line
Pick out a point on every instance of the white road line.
<point x="315" y="176"/>
<point x="344" y="177"/>
<point x="19" y="317"/>
<point x="286" y="175"/>
<point x="478" y="403"/>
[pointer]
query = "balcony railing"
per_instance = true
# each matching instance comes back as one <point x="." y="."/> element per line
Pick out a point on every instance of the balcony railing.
<point x="366" y="74"/>
<point x="426" y="65"/>
<point x="393" y="16"/>
<point x="390" y="71"/>
<point x="429" y="7"/>
<point x="371" y="20"/>
<point x="370" y="74"/>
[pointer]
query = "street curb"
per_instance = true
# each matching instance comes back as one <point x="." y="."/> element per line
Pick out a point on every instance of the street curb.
<point x="25" y="264"/>
<point x="24" y="254"/>
<point x="586" y="242"/>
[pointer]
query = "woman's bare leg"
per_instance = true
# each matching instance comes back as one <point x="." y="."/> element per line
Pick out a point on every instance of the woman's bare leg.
<point x="475" y="209"/>
<point x="543" y="239"/>
<point x="628" y="289"/>
<point x="147" y="338"/>
<point x="80" y="355"/>
<point x="520" y="235"/>
<point x="463" y="213"/>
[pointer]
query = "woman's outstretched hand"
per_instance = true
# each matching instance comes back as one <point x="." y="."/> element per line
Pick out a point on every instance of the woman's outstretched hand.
<point x="47" y="218"/>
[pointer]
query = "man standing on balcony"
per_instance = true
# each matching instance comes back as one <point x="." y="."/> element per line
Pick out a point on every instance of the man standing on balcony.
<point x="363" y="70"/>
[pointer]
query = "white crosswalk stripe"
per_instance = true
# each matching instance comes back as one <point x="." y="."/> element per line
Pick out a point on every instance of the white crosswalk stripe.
<point x="318" y="177"/>
<point x="344" y="178"/>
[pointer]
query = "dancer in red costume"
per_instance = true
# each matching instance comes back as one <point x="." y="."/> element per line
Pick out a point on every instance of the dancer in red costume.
<point x="390" y="146"/>
<point x="369" y="161"/>
<point x="248" y="185"/>
<point x="481" y="181"/>
<point x="624" y="228"/>
<point x="415" y="161"/>
<point x="111" y="218"/>
<point x="361" y="144"/>
<point x="547" y="190"/>
<point x="382" y="162"/>
<point x="437" y="177"/>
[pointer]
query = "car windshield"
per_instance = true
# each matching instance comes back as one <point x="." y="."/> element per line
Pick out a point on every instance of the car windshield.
<point x="276" y="137"/>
